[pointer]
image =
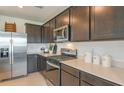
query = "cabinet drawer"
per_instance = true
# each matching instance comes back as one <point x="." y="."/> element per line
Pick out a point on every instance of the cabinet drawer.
<point x="83" y="83"/>
<point x="70" y="70"/>
<point x="68" y="80"/>
<point x="94" y="80"/>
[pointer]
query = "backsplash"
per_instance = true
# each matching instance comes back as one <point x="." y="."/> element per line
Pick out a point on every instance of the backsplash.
<point x="113" y="48"/>
<point x="35" y="48"/>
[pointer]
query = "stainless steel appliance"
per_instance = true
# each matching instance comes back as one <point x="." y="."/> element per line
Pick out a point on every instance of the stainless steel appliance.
<point x="13" y="55"/>
<point x="53" y="65"/>
<point x="61" y="34"/>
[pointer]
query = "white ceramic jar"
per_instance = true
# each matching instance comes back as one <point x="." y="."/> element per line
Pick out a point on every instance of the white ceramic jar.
<point x="106" y="61"/>
<point x="88" y="57"/>
<point x="96" y="59"/>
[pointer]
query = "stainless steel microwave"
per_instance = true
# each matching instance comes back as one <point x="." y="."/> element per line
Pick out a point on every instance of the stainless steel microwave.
<point x="61" y="34"/>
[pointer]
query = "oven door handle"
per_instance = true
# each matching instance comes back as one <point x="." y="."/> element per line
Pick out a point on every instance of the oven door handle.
<point x="50" y="64"/>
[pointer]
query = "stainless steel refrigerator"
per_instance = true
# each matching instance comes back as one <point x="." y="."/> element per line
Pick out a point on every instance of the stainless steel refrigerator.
<point x="13" y="55"/>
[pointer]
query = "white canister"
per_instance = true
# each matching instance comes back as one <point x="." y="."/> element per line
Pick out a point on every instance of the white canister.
<point x="96" y="59"/>
<point x="88" y="57"/>
<point x="106" y="61"/>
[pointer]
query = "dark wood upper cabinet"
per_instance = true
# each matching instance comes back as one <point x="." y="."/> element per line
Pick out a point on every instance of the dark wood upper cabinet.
<point x="107" y="22"/>
<point x="42" y="34"/>
<point x="47" y="31"/>
<point x="51" y="28"/>
<point x="62" y="19"/>
<point x="33" y="33"/>
<point x="79" y="23"/>
<point x="95" y="23"/>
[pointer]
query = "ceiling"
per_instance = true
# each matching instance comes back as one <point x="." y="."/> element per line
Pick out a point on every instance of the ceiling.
<point x="40" y="14"/>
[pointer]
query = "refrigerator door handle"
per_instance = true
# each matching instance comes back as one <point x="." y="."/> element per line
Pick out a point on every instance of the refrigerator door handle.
<point x="12" y="52"/>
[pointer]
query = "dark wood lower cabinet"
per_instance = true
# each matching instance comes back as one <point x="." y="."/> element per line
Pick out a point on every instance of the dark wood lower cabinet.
<point x="70" y="70"/>
<point x="35" y="63"/>
<point x="74" y="77"/>
<point x="69" y="76"/>
<point x="32" y="63"/>
<point x="68" y="79"/>
<point x="41" y="63"/>
<point x="95" y="81"/>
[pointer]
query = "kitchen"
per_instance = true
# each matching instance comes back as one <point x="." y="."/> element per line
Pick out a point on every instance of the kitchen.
<point x="72" y="46"/>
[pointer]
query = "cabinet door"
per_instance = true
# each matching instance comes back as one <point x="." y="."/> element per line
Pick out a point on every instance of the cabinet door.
<point x="42" y="34"/>
<point x="33" y="33"/>
<point x="46" y="34"/>
<point x="107" y="22"/>
<point x="32" y="63"/>
<point x="70" y="70"/>
<point x="43" y="66"/>
<point x="79" y="23"/>
<point x="51" y="28"/>
<point x="39" y="63"/>
<point x="62" y="19"/>
<point x="68" y="80"/>
<point x="43" y="63"/>
<point x="94" y="80"/>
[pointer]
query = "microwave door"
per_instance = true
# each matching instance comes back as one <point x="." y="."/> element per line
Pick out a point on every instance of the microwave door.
<point x="63" y="33"/>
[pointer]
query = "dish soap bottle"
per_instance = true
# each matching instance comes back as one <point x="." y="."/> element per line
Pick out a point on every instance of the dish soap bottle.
<point x="55" y="49"/>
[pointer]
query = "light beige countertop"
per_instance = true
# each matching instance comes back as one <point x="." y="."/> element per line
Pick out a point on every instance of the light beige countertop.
<point x="44" y="54"/>
<point x="112" y="74"/>
<point x="48" y="54"/>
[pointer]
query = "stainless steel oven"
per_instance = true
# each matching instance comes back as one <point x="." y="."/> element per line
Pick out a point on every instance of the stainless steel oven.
<point x="53" y="65"/>
<point x="53" y="73"/>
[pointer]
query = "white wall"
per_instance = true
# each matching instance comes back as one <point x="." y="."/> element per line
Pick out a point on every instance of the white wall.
<point x="20" y="23"/>
<point x="113" y="48"/>
<point x="35" y="47"/>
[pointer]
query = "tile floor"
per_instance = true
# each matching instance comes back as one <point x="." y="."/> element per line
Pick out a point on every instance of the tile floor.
<point x="34" y="79"/>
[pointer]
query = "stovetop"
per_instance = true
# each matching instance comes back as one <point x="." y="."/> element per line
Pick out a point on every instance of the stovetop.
<point x="61" y="57"/>
<point x="56" y="59"/>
